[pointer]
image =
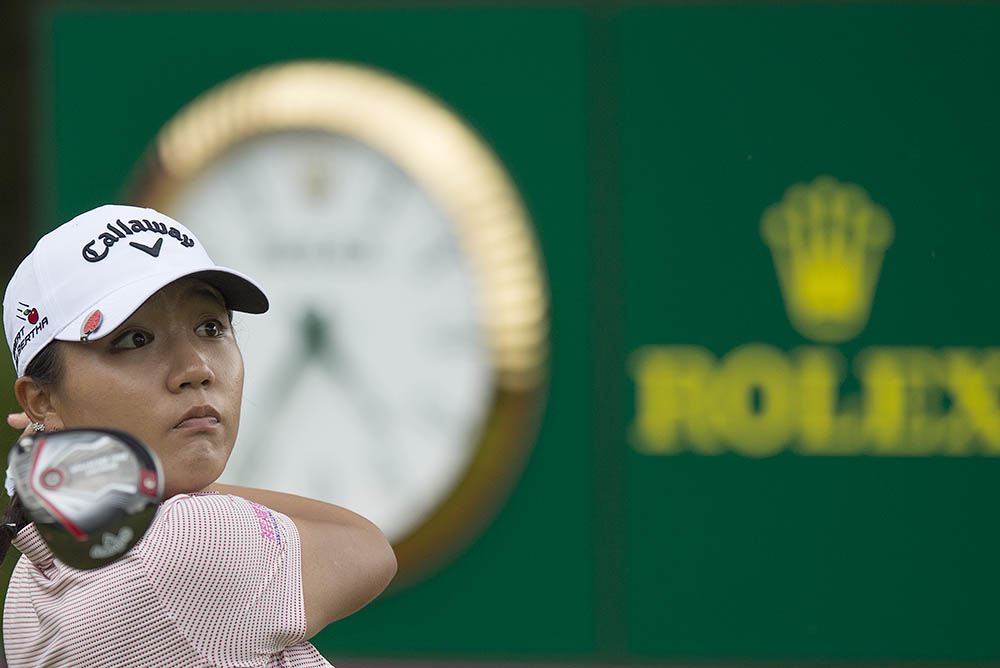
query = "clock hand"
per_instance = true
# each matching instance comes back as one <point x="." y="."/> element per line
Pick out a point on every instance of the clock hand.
<point x="281" y="385"/>
<point x="370" y="407"/>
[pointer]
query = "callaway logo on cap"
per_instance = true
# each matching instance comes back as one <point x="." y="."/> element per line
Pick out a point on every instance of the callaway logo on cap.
<point x="87" y="276"/>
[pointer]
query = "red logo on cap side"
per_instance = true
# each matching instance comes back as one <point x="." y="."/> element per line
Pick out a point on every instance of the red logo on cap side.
<point x="91" y="324"/>
<point x="28" y="313"/>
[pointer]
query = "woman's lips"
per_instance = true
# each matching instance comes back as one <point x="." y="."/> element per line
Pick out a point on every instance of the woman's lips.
<point x="198" y="423"/>
<point x="199" y="417"/>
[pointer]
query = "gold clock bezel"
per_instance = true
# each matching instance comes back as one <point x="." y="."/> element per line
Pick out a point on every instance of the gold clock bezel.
<point x="464" y="177"/>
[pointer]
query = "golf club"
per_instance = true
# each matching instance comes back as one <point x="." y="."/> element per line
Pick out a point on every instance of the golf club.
<point x="91" y="493"/>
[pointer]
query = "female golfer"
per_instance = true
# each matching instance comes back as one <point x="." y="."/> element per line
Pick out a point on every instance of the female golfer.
<point x="119" y="319"/>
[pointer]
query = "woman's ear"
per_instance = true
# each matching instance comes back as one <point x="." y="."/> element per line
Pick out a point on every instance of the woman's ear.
<point x="37" y="402"/>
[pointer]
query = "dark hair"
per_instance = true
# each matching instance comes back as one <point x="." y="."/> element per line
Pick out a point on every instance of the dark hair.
<point x="45" y="369"/>
<point x="14" y="519"/>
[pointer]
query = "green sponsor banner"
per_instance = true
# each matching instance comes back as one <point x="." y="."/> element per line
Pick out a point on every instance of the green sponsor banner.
<point x="809" y="219"/>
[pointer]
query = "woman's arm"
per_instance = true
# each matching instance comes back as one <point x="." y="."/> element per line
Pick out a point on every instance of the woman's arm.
<point x="346" y="560"/>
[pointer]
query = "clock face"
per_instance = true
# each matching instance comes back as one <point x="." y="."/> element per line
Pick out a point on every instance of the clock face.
<point x="401" y="369"/>
<point x="368" y="380"/>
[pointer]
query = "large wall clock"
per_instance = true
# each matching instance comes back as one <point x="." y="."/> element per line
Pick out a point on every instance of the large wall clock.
<point x="402" y="368"/>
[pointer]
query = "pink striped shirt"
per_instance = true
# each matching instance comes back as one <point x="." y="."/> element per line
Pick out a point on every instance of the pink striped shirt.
<point x="215" y="582"/>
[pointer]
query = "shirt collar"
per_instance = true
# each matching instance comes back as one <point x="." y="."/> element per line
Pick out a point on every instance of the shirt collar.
<point x="30" y="544"/>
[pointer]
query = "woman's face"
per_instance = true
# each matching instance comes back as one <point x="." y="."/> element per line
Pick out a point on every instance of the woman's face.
<point x="171" y="375"/>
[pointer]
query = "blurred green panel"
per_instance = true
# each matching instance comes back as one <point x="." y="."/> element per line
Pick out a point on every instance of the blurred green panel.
<point x="723" y="109"/>
<point x="517" y="76"/>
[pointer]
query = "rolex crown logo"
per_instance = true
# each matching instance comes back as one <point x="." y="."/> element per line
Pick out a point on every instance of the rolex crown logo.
<point x="827" y="239"/>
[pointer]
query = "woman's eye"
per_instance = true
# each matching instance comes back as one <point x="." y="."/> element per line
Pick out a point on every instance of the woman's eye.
<point x="212" y="329"/>
<point x="131" y="340"/>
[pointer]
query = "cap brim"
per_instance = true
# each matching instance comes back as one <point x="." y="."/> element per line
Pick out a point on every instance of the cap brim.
<point x="239" y="290"/>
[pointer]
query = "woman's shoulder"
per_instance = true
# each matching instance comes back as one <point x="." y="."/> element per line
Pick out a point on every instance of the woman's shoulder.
<point x="212" y="558"/>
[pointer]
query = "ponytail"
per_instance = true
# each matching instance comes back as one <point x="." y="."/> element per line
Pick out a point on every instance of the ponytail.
<point x="14" y="520"/>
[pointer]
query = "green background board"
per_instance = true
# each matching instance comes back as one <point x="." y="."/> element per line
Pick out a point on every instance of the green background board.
<point x="114" y="78"/>
<point x="647" y="142"/>
<point x="721" y="110"/>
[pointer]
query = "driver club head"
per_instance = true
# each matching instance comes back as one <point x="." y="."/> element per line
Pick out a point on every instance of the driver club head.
<point x="91" y="493"/>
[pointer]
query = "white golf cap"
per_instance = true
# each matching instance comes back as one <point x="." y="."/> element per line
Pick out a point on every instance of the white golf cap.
<point x="86" y="277"/>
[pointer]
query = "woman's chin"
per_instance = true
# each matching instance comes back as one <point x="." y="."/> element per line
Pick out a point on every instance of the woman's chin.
<point x="194" y="471"/>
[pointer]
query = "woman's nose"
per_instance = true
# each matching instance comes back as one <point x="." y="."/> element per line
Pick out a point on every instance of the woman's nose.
<point x="189" y="368"/>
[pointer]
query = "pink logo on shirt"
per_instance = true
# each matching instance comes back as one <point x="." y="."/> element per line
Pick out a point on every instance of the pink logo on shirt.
<point x="268" y="523"/>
